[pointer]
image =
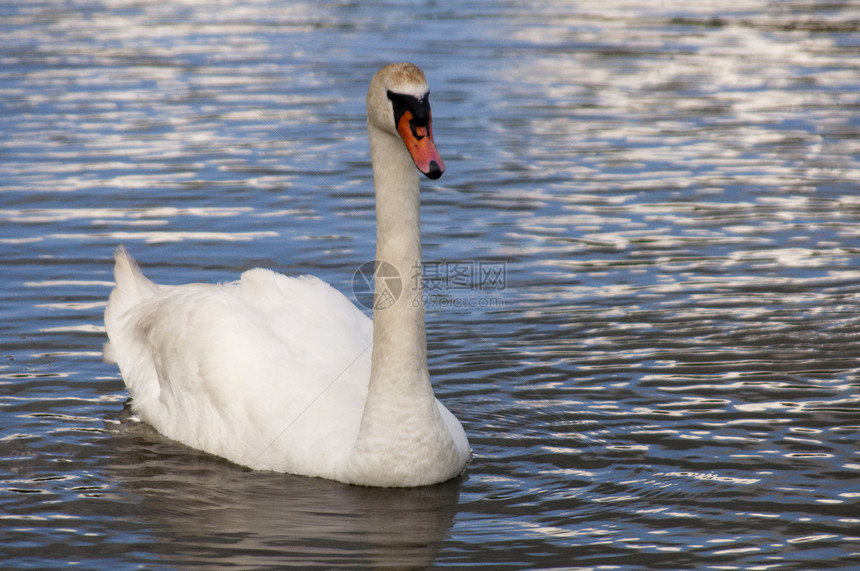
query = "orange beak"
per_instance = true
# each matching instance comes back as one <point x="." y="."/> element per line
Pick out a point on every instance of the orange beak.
<point x="420" y="144"/>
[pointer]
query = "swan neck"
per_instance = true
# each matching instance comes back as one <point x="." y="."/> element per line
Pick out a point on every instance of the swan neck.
<point x="399" y="341"/>
<point x="403" y="438"/>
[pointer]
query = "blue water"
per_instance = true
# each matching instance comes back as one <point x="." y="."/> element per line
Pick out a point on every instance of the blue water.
<point x="660" y="370"/>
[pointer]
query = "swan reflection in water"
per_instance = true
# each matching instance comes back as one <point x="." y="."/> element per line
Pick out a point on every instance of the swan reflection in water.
<point x="204" y="511"/>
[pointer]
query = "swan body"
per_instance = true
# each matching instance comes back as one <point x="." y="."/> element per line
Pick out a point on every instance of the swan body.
<point x="285" y="373"/>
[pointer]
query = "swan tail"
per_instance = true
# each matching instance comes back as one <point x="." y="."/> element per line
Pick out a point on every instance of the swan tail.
<point x="130" y="281"/>
<point x="131" y="288"/>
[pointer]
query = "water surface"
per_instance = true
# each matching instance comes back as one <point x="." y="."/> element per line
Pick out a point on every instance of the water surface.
<point x="665" y="374"/>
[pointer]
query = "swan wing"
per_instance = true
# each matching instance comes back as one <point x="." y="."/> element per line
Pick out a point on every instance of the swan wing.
<point x="270" y="372"/>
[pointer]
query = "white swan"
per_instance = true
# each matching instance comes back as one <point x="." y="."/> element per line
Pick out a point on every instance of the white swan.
<point x="286" y="374"/>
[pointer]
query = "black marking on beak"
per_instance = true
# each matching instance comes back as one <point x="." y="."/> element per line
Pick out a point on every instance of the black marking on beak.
<point x="435" y="171"/>
<point x="419" y="107"/>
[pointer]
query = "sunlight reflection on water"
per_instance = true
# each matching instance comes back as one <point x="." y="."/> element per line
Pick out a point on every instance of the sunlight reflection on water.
<point x="670" y="381"/>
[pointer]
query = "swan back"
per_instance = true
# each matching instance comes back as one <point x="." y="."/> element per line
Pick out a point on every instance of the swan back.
<point x="266" y="371"/>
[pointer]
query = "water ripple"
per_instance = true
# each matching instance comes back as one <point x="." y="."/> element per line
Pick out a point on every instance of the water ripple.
<point x="667" y="377"/>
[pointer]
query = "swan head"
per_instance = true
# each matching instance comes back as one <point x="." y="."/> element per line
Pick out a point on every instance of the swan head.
<point x="398" y="103"/>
